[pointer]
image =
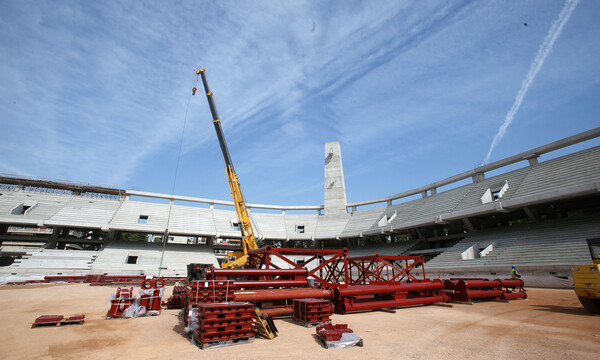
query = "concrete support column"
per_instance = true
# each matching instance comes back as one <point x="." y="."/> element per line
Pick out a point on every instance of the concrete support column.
<point x="53" y="240"/>
<point x="335" y="188"/>
<point x="468" y="224"/>
<point x="477" y="177"/>
<point x="531" y="213"/>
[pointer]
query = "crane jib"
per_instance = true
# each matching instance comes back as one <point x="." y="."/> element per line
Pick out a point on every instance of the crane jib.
<point x="248" y="239"/>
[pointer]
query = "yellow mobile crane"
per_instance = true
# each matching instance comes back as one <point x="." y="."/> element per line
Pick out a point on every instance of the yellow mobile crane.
<point x="235" y="259"/>
<point x="586" y="279"/>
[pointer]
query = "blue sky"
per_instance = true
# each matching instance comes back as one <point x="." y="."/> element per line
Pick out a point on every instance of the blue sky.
<point x="414" y="91"/>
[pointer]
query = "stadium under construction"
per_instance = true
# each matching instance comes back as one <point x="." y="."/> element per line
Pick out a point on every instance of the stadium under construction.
<point x="534" y="209"/>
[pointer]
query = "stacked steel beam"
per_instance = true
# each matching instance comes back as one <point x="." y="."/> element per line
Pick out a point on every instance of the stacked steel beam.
<point x="513" y="289"/>
<point x="312" y="311"/>
<point x="356" y="298"/>
<point x="270" y="289"/>
<point x="466" y="290"/>
<point x="329" y="332"/>
<point x="178" y="299"/>
<point x="223" y="321"/>
<point x="210" y="291"/>
<point x="354" y="284"/>
<point x="261" y="278"/>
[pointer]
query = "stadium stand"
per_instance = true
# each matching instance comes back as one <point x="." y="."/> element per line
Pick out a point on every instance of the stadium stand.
<point x="131" y="258"/>
<point x="537" y="215"/>
<point x="43" y="262"/>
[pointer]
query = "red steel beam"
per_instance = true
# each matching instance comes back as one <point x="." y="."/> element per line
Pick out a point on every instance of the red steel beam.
<point x="278" y="312"/>
<point x="481" y="283"/>
<point x="213" y="273"/>
<point x="511" y="282"/>
<point x="292" y="251"/>
<point x="261" y="295"/>
<point x="269" y="283"/>
<point x="374" y="305"/>
<point x="480" y="294"/>
<point x="356" y="290"/>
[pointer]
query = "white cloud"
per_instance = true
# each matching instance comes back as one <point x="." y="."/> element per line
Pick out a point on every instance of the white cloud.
<point x="537" y="64"/>
<point x="101" y="89"/>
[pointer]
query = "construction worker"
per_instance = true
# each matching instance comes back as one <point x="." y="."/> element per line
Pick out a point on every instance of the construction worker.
<point x="514" y="273"/>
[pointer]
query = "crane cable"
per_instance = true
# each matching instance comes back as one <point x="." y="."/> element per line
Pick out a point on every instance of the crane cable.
<point x="166" y="234"/>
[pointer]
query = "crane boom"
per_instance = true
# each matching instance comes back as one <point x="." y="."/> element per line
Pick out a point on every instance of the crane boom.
<point x="235" y="259"/>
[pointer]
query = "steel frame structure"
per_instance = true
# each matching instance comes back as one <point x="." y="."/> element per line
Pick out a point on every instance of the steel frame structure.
<point x="329" y="271"/>
<point x="377" y="269"/>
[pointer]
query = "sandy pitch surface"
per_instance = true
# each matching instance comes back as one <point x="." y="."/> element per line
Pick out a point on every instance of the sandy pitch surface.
<point x="550" y="325"/>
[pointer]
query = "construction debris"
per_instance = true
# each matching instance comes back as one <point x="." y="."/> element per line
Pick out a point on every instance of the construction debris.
<point x="125" y="305"/>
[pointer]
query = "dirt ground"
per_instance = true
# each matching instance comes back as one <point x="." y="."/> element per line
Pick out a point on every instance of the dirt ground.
<point x="551" y="324"/>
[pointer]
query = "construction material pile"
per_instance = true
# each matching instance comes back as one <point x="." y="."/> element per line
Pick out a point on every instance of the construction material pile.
<point x="329" y="281"/>
<point x="220" y="324"/>
<point x="178" y="299"/>
<point x="466" y="290"/>
<point x="120" y="302"/>
<point x="337" y="336"/>
<point x="125" y="305"/>
<point x="58" y="320"/>
<point x="312" y="311"/>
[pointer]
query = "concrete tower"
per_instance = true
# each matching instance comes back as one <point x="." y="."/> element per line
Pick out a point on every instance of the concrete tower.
<point x="335" y="189"/>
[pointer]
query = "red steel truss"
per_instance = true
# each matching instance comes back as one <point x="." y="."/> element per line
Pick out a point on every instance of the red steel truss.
<point x="382" y="269"/>
<point x="325" y="265"/>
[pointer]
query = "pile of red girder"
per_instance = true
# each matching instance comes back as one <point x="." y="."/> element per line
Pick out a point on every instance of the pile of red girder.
<point x="312" y="311"/>
<point x="466" y="290"/>
<point x="358" y="283"/>
<point x="223" y="321"/>
<point x="330" y="332"/>
<point x="122" y="300"/>
<point x="92" y="279"/>
<point x="178" y="299"/>
<point x="354" y="298"/>
<point x="270" y="289"/>
<point x="57" y="320"/>
<point x="97" y="279"/>
<point x="261" y="278"/>
<point x="210" y="291"/>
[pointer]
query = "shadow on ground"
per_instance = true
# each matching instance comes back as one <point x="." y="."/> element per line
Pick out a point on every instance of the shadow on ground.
<point x="570" y="310"/>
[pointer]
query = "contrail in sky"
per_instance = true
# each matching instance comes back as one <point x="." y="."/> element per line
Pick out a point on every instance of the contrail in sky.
<point x="540" y="57"/>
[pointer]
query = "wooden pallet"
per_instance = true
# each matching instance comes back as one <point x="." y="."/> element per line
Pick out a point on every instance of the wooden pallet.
<point x="309" y="325"/>
<point x="227" y="342"/>
<point x="263" y="325"/>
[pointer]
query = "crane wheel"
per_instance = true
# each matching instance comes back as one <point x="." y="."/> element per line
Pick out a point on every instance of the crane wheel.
<point x="591" y="305"/>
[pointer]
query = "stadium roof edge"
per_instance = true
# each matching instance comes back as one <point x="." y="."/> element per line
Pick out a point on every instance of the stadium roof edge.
<point x="526" y="155"/>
